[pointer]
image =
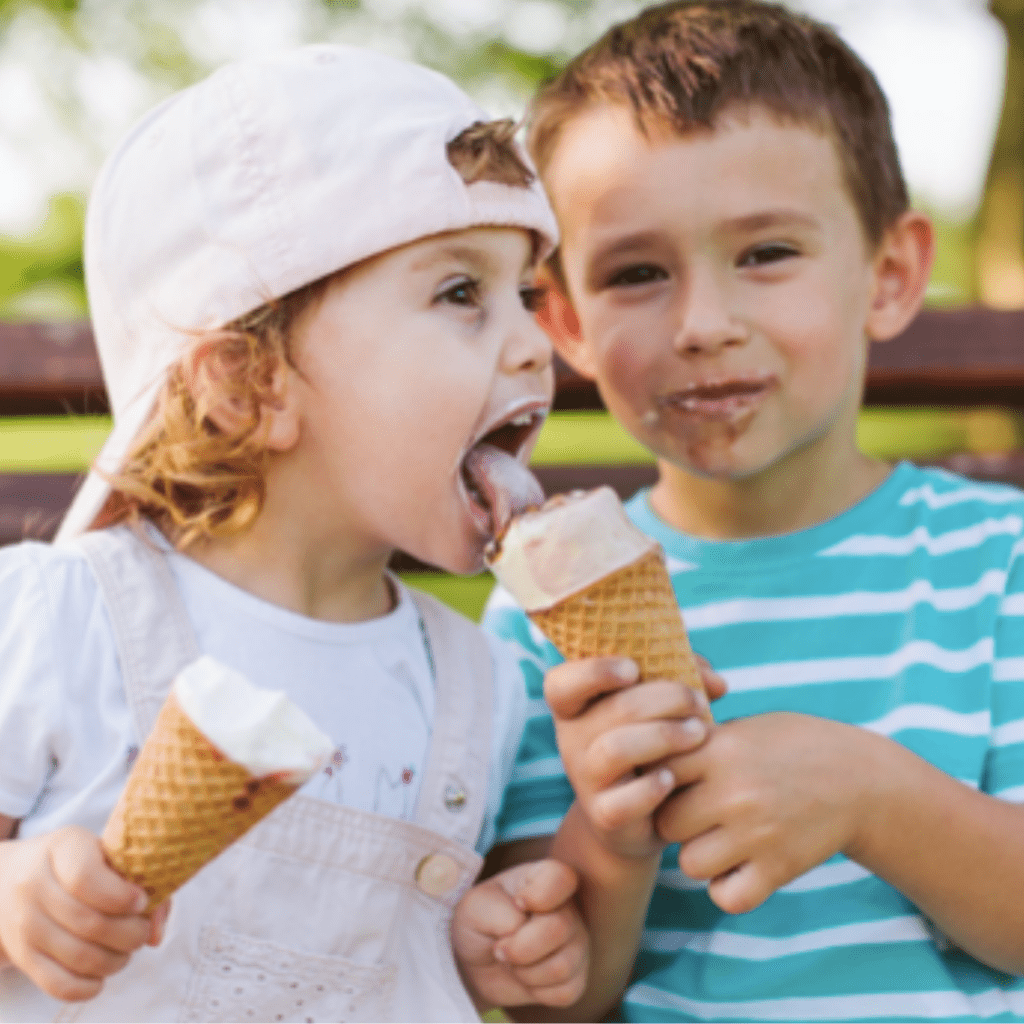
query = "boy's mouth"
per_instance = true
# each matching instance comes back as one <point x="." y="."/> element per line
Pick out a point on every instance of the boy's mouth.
<point x="495" y="483"/>
<point x="718" y="400"/>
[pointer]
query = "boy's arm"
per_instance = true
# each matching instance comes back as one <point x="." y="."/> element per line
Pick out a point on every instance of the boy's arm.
<point x="613" y="733"/>
<point x="769" y="797"/>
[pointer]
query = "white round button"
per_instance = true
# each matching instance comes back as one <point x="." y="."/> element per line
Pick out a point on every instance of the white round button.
<point x="437" y="874"/>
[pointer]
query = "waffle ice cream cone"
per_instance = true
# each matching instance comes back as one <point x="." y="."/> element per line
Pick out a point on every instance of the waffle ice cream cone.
<point x="187" y="797"/>
<point x="596" y="585"/>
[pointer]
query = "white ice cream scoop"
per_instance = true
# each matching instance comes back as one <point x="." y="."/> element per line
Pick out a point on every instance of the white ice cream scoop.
<point x="260" y="729"/>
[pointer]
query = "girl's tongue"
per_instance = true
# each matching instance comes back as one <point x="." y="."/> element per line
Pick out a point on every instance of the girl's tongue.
<point x="503" y="484"/>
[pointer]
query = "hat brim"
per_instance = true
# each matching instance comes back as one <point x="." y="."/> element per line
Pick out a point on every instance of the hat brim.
<point x="91" y="496"/>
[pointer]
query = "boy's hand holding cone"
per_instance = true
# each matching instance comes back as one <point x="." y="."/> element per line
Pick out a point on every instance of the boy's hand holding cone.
<point x="221" y="756"/>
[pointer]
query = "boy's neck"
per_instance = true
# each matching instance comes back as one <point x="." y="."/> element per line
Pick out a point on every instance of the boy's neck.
<point x="791" y="495"/>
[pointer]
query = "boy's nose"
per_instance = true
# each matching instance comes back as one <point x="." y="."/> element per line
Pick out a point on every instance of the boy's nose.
<point x="706" y="322"/>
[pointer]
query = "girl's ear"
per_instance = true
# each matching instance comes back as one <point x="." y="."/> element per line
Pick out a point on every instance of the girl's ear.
<point x="902" y="267"/>
<point x="559" y="320"/>
<point x="218" y="395"/>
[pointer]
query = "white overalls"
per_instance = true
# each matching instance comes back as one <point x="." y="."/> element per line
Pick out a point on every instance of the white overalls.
<point x="320" y="912"/>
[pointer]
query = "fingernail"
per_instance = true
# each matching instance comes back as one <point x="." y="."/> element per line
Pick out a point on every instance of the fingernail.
<point x="500" y="955"/>
<point x="626" y="670"/>
<point x="140" y="904"/>
<point x="694" y="728"/>
<point x="666" y="780"/>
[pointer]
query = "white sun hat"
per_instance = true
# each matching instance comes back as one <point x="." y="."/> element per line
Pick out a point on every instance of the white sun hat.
<point x="264" y="177"/>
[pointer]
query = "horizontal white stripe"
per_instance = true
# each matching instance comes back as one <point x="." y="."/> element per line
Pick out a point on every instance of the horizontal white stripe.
<point x="1008" y="670"/>
<point x="678" y="565"/>
<point x="1013" y="604"/>
<point x="931" y="717"/>
<point x="955" y="540"/>
<point x="927" y="495"/>
<point x="1005" y="735"/>
<point x="834" y="670"/>
<point x="825" y="876"/>
<point x="760" y="947"/>
<point x="858" y="602"/>
<point x="882" y="1005"/>
<point x="1013" y="795"/>
<point x="542" y="768"/>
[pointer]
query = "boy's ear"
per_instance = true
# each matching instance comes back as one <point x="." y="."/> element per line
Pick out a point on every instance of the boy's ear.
<point x="902" y="267"/>
<point x="558" y="318"/>
<point x="210" y="379"/>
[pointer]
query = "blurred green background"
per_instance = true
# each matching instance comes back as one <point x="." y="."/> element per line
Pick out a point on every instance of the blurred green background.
<point x="74" y="74"/>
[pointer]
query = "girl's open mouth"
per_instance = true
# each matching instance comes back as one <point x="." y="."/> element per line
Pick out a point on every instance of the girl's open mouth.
<point x="495" y="482"/>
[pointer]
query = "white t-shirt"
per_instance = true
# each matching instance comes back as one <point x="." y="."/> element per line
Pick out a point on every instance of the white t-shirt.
<point x="66" y="734"/>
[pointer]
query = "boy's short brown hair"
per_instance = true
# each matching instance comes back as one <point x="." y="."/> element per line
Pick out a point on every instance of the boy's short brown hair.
<point x="685" y="63"/>
<point x="197" y="482"/>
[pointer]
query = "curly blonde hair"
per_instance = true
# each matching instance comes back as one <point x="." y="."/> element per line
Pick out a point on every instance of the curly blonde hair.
<point x="198" y="482"/>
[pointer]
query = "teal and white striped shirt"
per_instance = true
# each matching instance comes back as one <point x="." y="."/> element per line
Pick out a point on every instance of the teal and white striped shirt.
<point x="904" y="615"/>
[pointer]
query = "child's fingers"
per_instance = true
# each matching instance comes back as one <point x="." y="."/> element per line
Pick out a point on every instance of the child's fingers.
<point x="540" y="886"/>
<point x="630" y="801"/>
<point x="622" y="750"/>
<point x="118" y="935"/>
<point x="79" y="956"/>
<point x="714" y="684"/>
<point x="78" y="863"/>
<point x="57" y="980"/>
<point x="571" y="686"/>
<point x="157" y="923"/>
<point x="488" y="911"/>
<point x="538" y="942"/>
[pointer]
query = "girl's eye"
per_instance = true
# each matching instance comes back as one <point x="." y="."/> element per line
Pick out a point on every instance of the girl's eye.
<point x="640" y="274"/>
<point x="760" y="255"/>
<point x="464" y="292"/>
<point x="532" y="297"/>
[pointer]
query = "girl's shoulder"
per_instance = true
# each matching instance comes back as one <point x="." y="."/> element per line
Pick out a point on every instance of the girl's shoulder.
<point x="55" y="580"/>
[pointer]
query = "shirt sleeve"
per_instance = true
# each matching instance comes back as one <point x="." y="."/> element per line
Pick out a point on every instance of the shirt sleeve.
<point x="538" y="793"/>
<point x="1004" y="773"/>
<point x="31" y="712"/>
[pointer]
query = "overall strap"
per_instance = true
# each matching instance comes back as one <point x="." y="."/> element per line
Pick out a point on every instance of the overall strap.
<point x="453" y="794"/>
<point x="153" y="634"/>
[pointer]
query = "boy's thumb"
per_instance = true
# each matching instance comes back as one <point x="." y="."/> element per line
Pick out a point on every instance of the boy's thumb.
<point x="540" y="886"/>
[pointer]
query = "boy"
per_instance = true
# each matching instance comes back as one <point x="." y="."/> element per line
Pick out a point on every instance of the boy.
<point x="735" y="233"/>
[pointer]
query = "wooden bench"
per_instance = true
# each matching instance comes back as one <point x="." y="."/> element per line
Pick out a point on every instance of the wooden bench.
<point x="964" y="359"/>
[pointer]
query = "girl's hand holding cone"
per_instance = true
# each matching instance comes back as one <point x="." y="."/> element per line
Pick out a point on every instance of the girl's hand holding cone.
<point x="67" y="919"/>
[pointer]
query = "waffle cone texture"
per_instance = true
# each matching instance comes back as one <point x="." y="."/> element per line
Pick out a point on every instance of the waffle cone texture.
<point x="632" y="613"/>
<point x="183" y="804"/>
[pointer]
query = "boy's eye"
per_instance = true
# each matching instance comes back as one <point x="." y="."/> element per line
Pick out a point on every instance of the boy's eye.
<point x="639" y="274"/>
<point x="464" y="292"/>
<point x="772" y="252"/>
<point x="532" y="297"/>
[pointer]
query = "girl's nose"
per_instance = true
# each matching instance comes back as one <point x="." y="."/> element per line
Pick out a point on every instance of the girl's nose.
<point x="527" y="347"/>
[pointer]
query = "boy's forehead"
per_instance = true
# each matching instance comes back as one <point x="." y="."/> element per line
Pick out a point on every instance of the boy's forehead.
<point x="604" y="153"/>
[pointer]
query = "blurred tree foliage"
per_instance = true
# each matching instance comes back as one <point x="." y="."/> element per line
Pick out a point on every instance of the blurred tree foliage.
<point x="498" y="49"/>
